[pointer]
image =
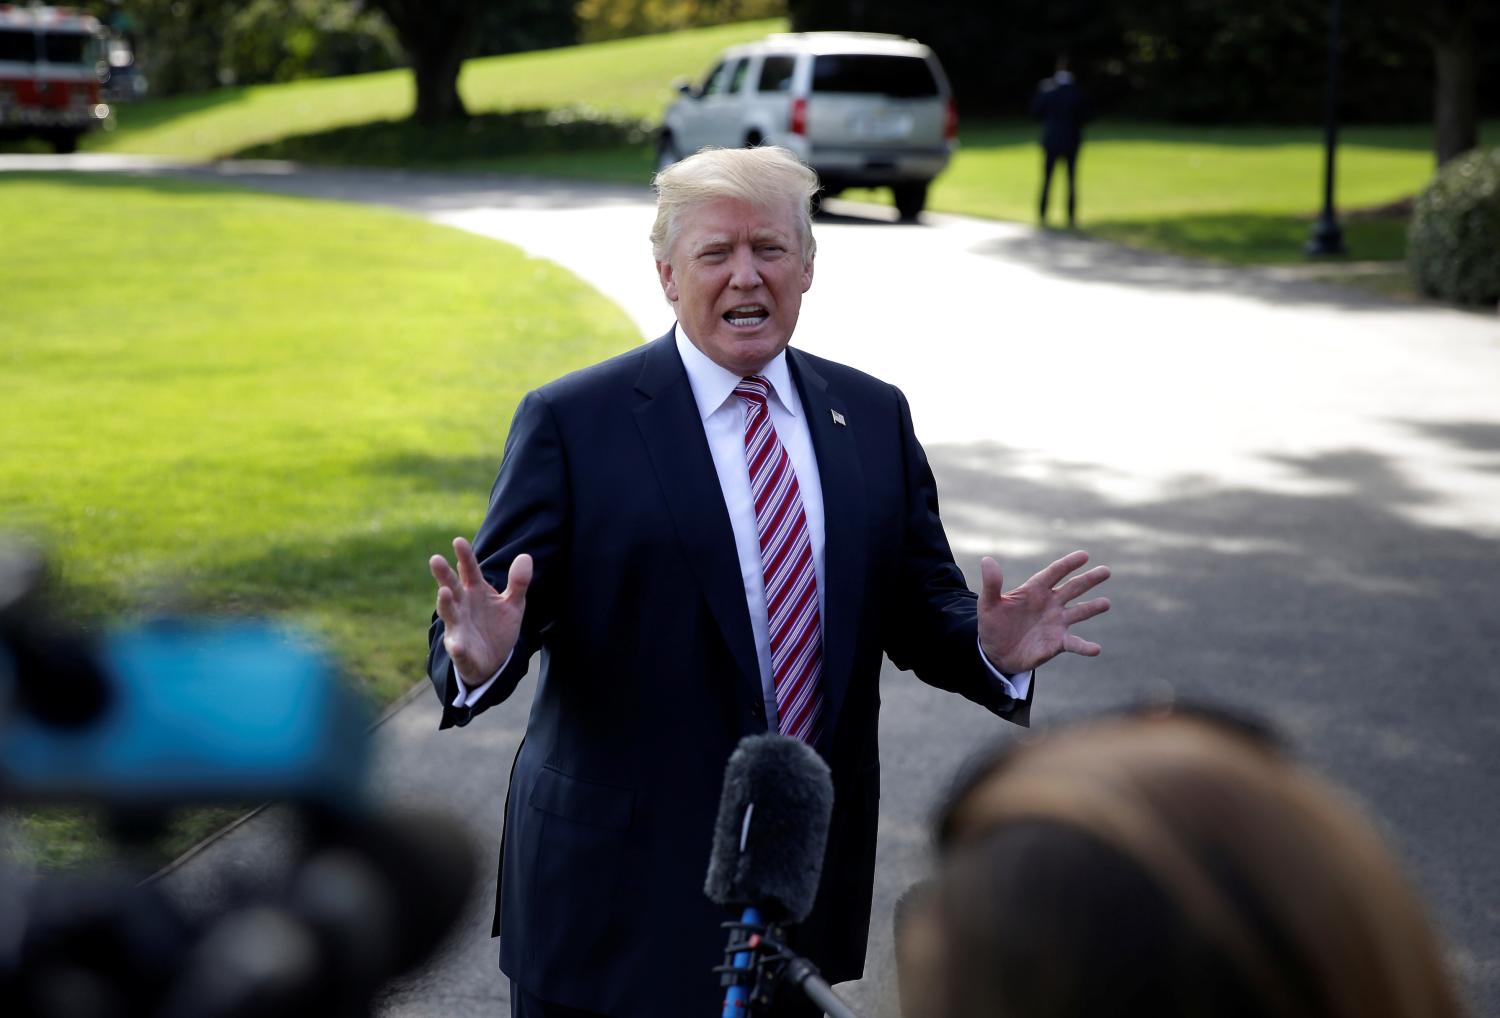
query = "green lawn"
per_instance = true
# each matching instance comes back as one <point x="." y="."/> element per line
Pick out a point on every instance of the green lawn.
<point x="220" y="401"/>
<point x="1241" y="194"/>
<point x="628" y="76"/>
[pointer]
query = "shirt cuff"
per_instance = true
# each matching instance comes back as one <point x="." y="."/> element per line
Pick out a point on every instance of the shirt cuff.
<point x="469" y="697"/>
<point x="1017" y="687"/>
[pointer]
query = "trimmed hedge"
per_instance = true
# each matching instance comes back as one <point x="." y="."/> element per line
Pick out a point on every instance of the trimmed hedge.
<point x="1454" y="246"/>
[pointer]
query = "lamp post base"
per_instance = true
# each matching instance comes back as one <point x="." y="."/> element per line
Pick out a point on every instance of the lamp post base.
<point x="1327" y="239"/>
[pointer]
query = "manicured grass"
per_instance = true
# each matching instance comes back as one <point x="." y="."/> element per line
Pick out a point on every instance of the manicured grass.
<point x="1241" y="194"/>
<point x="220" y="401"/>
<point x="632" y="77"/>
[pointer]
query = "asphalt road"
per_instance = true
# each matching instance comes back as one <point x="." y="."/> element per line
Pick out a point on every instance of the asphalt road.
<point x="1298" y="488"/>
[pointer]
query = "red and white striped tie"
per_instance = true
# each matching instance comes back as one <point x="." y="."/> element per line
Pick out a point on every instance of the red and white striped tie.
<point x="787" y="558"/>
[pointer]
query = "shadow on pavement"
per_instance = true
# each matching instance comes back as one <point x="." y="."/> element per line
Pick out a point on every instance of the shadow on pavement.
<point x="1367" y="638"/>
<point x="1084" y="259"/>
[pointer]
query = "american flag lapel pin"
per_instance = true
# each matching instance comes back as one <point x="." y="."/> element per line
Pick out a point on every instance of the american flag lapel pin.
<point x="838" y="418"/>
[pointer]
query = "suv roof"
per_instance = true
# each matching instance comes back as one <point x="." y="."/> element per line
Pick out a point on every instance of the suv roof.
<point x="831" y="42"/>
<point x="861" y="109"/>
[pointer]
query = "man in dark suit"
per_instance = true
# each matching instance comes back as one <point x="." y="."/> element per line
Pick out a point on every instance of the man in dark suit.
<point x="706" y="537"/>
<point x="1062" y="107"/>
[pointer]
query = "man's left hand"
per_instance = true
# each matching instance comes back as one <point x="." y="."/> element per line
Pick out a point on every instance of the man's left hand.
<point x="1028" y="626"/>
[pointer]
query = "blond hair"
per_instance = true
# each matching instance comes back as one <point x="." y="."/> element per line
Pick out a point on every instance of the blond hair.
<point x="767" y="177"/>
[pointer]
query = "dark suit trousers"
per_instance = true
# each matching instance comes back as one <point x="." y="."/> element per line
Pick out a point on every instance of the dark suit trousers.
<point x="1070" y="162"/>
<point x="524" y="1005"/>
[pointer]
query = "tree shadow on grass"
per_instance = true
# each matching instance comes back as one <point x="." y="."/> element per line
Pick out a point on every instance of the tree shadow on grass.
<point x="406" y="143"/>
<point x="987" y="134"/>
<point x="420" y="192"/>
<point x="153" y="180"/>
<point x="1249" y="238"/>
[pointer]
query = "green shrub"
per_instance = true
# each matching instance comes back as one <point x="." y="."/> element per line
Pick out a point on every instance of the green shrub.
<point x="276" y="41"/>
<point x="1454" y="246"/>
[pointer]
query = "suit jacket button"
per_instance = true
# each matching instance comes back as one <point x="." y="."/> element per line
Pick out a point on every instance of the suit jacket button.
<point x="757" y="711"/>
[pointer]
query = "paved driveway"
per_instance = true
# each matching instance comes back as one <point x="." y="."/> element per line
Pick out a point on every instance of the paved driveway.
<point x="1298" y="488"/>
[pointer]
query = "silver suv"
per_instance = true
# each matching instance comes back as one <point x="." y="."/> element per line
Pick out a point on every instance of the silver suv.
<point x="863" y="110"/>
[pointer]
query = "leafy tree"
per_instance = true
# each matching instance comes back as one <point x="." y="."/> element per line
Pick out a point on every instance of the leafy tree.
<point x="438" y="35"/>
<point x="177" y="42"/>
<point x="519" y="26"/>
<point x="618" y="19"/>
<point x="1207" y="60"/>
<point x="1452" y="29"/>
<point x="287" y="40"/>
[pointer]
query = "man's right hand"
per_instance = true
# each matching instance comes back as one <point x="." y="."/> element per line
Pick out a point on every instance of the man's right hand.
<point x="481" y="625"/>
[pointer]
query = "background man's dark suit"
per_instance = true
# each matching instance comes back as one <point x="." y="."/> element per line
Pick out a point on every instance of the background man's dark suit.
<point x="1063" y="109"/>
<point x="649" y="675"/>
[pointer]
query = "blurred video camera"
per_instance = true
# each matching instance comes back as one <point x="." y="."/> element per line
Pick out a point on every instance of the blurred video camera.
<point x="141" y="721"/>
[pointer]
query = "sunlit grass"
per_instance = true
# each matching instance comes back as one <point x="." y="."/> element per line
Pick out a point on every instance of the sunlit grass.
<point x="632" y="77"/>
<point x="263" y="405"/>
<point x="1242" y="194"/>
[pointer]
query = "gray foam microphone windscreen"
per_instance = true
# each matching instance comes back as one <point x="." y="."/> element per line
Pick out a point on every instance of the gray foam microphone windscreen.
<point x="772" y="828"/>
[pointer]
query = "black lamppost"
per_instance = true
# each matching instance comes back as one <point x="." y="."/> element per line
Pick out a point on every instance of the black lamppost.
<point x="1327" y="238"/>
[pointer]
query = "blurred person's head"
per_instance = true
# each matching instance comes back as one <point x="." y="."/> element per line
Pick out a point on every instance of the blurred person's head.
<point x="918" y="949"/>
<point x="734" y="250"/>
<point x="1172" y="866"/>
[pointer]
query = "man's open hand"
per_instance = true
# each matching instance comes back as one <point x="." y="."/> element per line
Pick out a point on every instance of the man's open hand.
<point x="481" y="625"/>
<point x="1028" y="626"/>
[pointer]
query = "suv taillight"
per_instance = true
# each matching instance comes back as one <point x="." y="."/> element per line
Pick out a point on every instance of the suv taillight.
<point x="798" y="123"/>
<point x="950" y="122"/>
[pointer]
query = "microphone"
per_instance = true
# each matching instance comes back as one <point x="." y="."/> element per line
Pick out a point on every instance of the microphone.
<point x="772" y="828"/>
<point x="769" y="840"/>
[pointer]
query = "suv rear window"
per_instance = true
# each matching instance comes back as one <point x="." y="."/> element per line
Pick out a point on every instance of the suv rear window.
<point x="776" y="74"/>
<point x="874" y="74"/>
<point x="17" y="45"/>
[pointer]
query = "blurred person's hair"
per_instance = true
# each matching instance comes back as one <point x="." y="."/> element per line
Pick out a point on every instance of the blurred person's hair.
<point x="917" y="949"/>
<point x="768" y="177"/>
<point x="1172" y="866"/>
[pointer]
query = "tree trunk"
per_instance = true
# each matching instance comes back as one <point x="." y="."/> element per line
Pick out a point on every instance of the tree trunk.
<point x="1456" y="94"/>
<point x="435" y="67"/>
<point x="436" y="37"/>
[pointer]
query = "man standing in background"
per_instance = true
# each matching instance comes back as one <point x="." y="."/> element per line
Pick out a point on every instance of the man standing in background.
<point x="1062" y="108"/>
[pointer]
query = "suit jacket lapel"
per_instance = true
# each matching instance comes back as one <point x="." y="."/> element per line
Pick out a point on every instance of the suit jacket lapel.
<point x="669" y="423"/>
<point x="844" y="532"/>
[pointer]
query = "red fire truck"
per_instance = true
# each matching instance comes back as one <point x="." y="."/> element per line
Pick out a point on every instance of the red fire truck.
<point x="52" y="62"/>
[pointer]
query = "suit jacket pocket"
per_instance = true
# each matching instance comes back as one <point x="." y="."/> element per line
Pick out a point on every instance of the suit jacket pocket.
<point x="584" y="802"/>
<point x="570" y="914"/>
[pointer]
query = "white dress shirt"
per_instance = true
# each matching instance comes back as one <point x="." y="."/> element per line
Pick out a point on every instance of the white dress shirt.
<point x="723" y="417"/>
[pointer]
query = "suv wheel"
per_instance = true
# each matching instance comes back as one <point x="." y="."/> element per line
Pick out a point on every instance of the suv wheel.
<point x="910" y="199"/>
<point x="666" y="151"/>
